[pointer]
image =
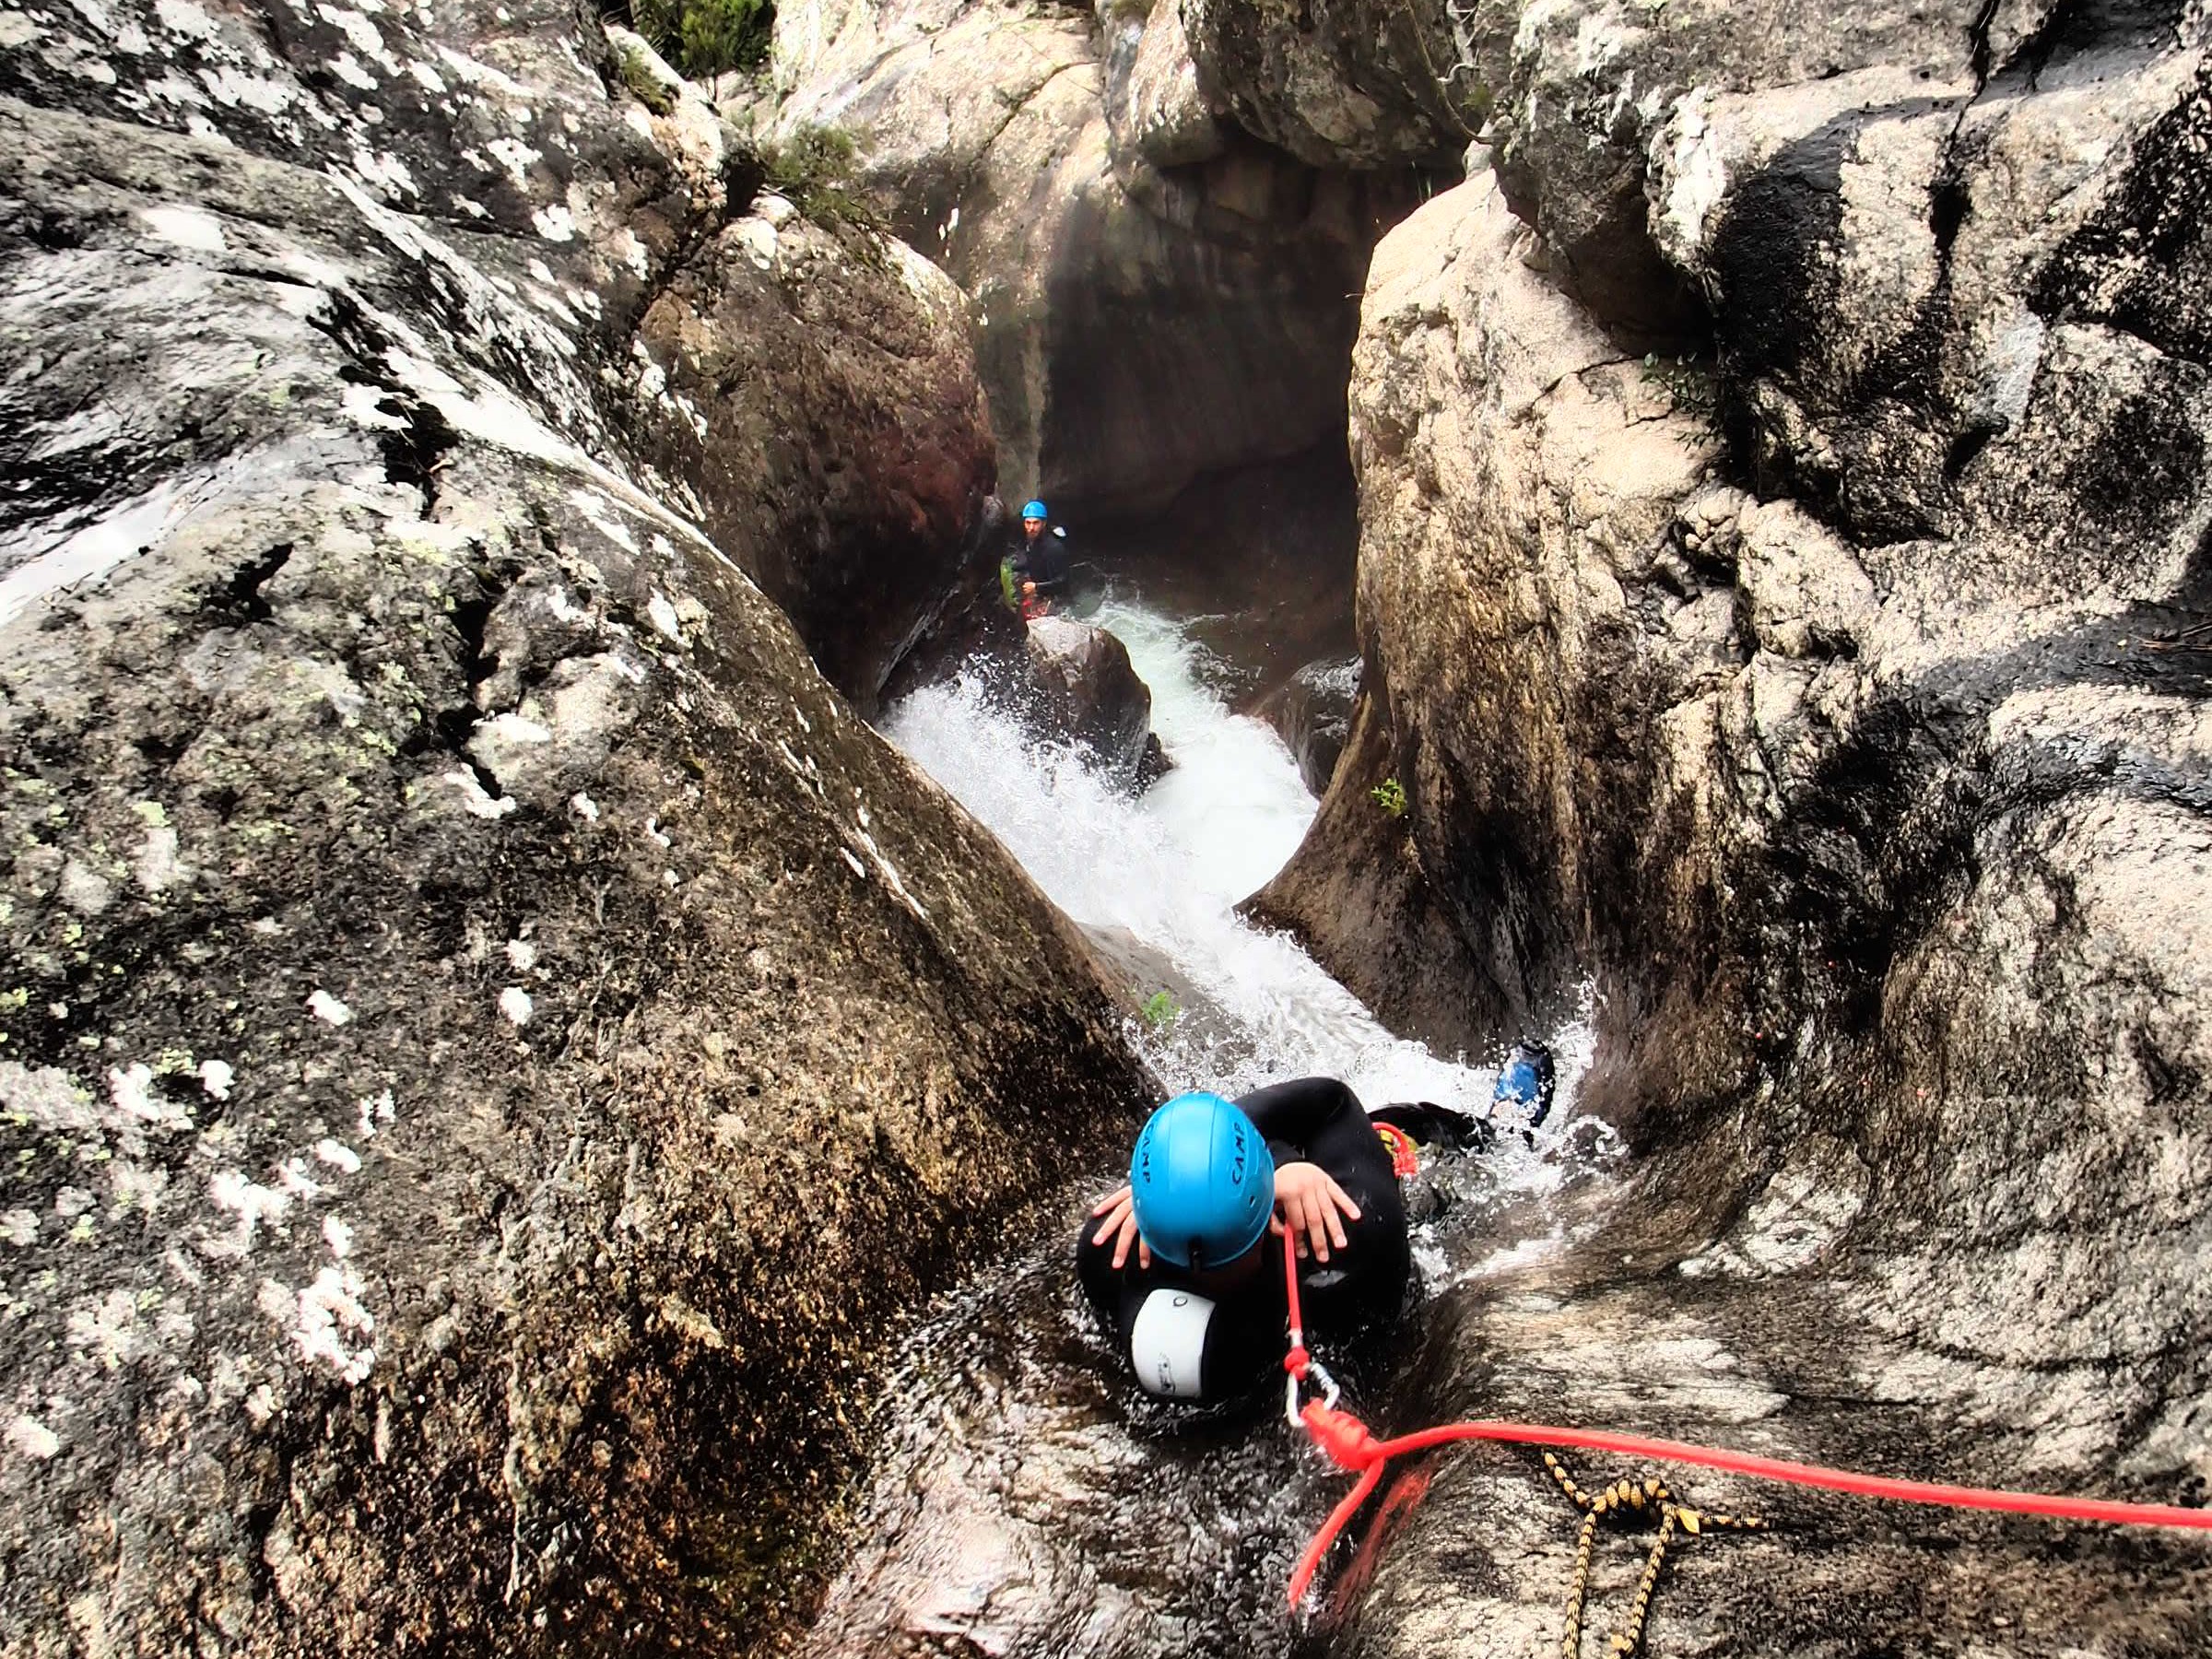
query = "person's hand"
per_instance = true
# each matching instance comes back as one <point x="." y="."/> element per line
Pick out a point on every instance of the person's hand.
<point x="1119" y="1210"/>
<point x="1313" y="1207"/>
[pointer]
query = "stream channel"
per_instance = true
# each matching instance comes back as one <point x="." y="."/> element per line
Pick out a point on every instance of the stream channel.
<point x="1024" y="1497"/>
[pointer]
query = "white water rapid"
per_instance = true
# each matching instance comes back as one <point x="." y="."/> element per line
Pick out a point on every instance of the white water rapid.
<point x="1169" y="868"/>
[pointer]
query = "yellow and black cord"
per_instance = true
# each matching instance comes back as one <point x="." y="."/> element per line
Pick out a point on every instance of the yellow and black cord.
<point x="1629" y="1501"/>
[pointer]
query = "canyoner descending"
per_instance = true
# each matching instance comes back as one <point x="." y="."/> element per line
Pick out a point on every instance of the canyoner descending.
<point x="1184" y="1335"/>
<point x="1055" y="1473"/>
<point x="1171" y="1262"/>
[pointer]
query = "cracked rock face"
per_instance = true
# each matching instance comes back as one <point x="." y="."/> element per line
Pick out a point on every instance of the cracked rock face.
<point x="1836" y="703"/>
<point x="1158" y="294"/>
<point x="1344" y="83"/>
<point x="492" y="1037"/>
<point x="515" y="145"/>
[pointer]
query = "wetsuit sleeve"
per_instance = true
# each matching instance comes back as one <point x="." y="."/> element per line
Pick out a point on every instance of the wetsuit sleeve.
<point x="1321" y="1121"/>
<point x="1291" y="1116"/>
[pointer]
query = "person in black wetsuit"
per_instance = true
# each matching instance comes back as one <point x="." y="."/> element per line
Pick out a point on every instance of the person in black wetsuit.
<point x="1184" y="1266"/>
<point x="1038" y="553"/>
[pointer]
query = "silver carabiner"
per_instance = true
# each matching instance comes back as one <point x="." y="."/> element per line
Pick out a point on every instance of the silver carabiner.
<point x="1329" y="1394"/>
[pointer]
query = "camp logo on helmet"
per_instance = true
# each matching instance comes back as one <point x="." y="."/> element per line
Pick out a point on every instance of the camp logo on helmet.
<point x="1201" y="1191"/>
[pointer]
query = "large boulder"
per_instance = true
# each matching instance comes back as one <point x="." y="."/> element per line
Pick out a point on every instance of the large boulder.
<point x="1572" y="95"/>
<point x="1091" y="691"/>
<point x="1345" y="83"/>
<point x="858" y="521"/>
<point x="491" y="1038"/>
<point x="1158" y="295"/>
<point x="1311" y="711"/>
<point x="1862" y="793"/>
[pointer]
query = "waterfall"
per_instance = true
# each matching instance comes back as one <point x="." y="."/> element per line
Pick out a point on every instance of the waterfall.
<point x="1168" y="870"/>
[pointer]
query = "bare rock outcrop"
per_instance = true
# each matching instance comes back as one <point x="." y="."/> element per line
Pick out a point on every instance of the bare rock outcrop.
<point x="1312" y="713"/>
<point x="1092" y="691"/>
<point x="1158" y="294"/>
<point x="1345" y="83"/>
<point x="491" y="1038"/>
<point x="1835" y="700"/>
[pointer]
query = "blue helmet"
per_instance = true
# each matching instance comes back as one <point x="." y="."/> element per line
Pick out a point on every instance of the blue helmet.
<point x="1526" y="1081"/>
<point x="1035" y="509"/>
<point x="1202" y="1182"/>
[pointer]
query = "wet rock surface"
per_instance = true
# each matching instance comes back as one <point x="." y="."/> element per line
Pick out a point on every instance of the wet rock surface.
<point x="492" y="1039"/>
<point x="1357" y="894"/>
<point x="1028" y="1499"/>
<point x="1017" y="1507"/>
<point x="1769" y="1353"/>
<point x="1090" y="692"/>
<point x="1313" y="715"/>
<point x="1823" y="699"/>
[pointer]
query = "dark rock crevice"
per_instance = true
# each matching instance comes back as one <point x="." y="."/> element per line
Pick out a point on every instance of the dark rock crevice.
<point x="2138" y="262"/>
<point x="240" y="599"/>
<point x="1161" y="291"/>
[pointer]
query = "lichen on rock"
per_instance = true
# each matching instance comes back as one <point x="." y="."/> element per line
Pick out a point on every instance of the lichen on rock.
<point x="491" y="1038"/>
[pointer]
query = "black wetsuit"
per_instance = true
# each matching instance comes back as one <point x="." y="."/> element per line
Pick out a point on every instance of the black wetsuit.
<point x="1236" y="1340"/>
<point x="1044" y="561"/>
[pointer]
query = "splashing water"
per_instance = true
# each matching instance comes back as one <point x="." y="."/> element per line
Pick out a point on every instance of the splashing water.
<point x="1169" y="869"/>
<point x="1026" y="1498"/>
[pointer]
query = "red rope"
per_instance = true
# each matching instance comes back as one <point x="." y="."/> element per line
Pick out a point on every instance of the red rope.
<point x="1345" y="1440"/>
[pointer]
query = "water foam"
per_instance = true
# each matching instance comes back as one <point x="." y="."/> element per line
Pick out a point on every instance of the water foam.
<point x="1169" y="867"/>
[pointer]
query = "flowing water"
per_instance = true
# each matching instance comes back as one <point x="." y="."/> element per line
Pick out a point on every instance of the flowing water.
<point x="1026" y="1498"/>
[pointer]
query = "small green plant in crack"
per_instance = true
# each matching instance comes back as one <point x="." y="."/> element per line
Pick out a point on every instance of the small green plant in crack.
<point x="1159" y="1010"/>
<point x="1688" y="385"/>
<point x="1389" y="795"/>
<point x="817" y="168"/>
<point x="701" y="38"/>
<point x="637" y="74"/>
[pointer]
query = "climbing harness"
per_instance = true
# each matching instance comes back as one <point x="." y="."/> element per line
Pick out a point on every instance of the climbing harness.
<point x="1629" y="1500"/>
<point x="1346" y="1443"/>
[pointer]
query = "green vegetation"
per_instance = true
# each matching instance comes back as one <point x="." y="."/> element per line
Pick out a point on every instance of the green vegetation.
<point x="704" y="38"/>
<point x="1159" y="1010"/>
<point x="816" y="169"/>
<point x="644" y="86"/>
<point x="1686" y="383"/>
<point x="1389" y="795"/>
